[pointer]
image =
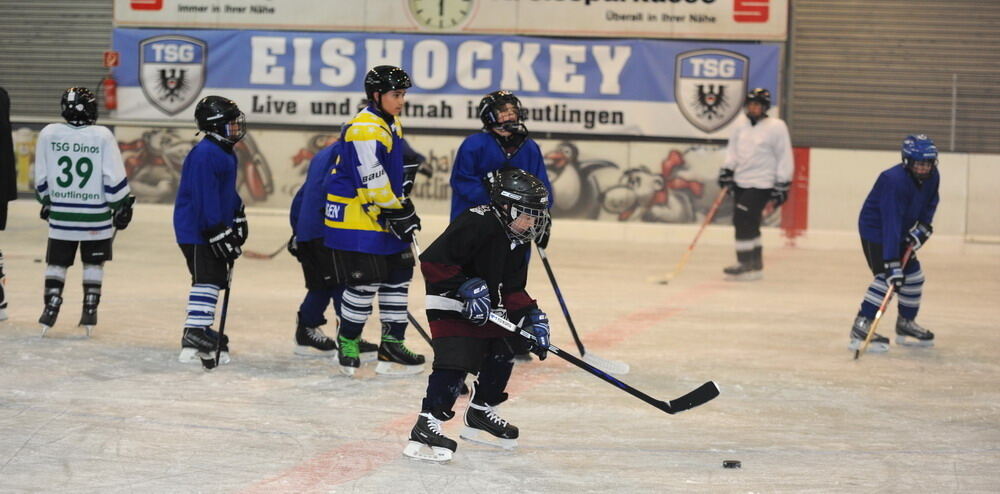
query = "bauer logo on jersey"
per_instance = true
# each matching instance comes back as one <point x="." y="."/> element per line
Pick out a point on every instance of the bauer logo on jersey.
<point x="710" y="86"/>
<point x="172" y="71"/>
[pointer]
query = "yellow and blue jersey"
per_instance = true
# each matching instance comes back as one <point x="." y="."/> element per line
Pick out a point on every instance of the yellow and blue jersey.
<point x="367" y="178"/>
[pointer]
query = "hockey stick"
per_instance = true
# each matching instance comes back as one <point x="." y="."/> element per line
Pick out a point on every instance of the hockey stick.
<point x="690" y="249"/>
<point x="210" y="364"/>
<point x="250" y="254"/>
<point x="612" y="366"/>
<point x="699" y="396"/>
<point x="881" y="309"/>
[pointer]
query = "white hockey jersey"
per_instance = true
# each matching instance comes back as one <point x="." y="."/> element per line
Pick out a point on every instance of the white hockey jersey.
<point x="80" y="174"/>
<point x="760" y="155"/>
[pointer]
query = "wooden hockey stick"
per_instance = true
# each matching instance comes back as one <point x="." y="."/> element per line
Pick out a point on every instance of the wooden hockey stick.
<point x="699" y="396"/>
<point x="250" y="254"/>
<point x="687" y="254"/>
<point x="881" y="309"/>
<point x="612" y="366"/>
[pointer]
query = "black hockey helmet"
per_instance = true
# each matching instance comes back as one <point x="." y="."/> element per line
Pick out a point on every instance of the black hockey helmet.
<point x="220" y="117"/>
<point x="385" y="78"/>
<point x="515" y="193"/>
<point x="759" y="95"/>
<point x="495" y="103"/>
<point x="79" y="106"/>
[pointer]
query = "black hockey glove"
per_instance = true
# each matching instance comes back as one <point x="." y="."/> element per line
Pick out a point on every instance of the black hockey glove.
<point x="918" y="234"/>
<point x="403" y="222"/>
<point x="44" y="213"/>
<point x="537" y="323"/>
<point x="779" y="194"/>
<point x="476" y="296"/>
<point x="240" y="225"/>
<point x="412" y="161"/>
<point x="293" y="246"/>
<point x="123" y="216"/>
<point x="224" y="243"/>
<point x="726" y="178"/>
<point x="893" y="273"/>
<point x="542" y="240"/>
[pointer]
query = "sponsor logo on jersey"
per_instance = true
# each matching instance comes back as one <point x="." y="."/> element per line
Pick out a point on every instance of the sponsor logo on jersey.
<point x="709" y="86"/>
<point x="335" y="211"/>
<point x="172" y="71"/>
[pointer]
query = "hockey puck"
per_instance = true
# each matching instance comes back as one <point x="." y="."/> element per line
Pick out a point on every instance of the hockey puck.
<point x="38" y="259"/>
<point x="731" y="464"/>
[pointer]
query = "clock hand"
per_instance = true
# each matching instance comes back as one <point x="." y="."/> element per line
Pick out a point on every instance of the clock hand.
<point x="441" y="7"/>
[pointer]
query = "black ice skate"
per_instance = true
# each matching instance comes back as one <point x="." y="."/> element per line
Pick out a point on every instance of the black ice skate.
<point x="189" y="351"/>
<point x="484" y="426"/>
<point x="88" y="318"/>
<point x="205" y="344"/>
<point x="349" y="357"/>
<point x="367" y="350"/>
<point x="394" y="359"/>
<point x="909" y="333"/>
<point x="427" y="442"/>
<point x="743" y="272"/>
<point x="312" y="342"/>
<point x="878" y="344"/>
<point x="50" y="313"/>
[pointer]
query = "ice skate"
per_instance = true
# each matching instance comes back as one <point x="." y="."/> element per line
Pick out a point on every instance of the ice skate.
<point x="878" y="344"/>
<point x="484" y="426"/>
<point x="743" y="272"/>
<point x="3" y="314"/>
<point x="349" y="357"/>
<point x="427" y="442"/>
<point x="50" y="313"/>
<point x="909" y="333"/>
<point x="189" y="351"/>
<point x="394" y="359"/>
<point x="88" y="318"/>
<point x="367" y="350"/>
<point x="312" y="342"/>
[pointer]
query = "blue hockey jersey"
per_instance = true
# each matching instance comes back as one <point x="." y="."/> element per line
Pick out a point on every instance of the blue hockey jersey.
<point x="895" y="203"/>
<point x="206" y="196"/>
<point x="480" y="154"/>
<point x="306" y="214"/>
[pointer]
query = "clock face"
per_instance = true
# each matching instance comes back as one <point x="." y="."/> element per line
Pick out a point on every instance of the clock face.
<point x="440" y="14"/>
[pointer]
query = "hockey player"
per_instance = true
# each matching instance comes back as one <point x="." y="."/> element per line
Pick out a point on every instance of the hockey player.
<point x="502" y="141"/>
<point x="8" y="183"/>
<point x="758" y="168"/>
<point x="897" y="214"/>
<point x="209" y="223"/>
<point x="479" y="265"/>
<point x="80" y="181"/>
<point x="370" y="225"/>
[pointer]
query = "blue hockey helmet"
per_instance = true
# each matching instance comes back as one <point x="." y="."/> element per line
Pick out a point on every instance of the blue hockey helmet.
<point x="918" y="148"/>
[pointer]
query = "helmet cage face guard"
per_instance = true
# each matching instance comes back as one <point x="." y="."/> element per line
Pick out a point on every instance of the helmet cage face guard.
<point x="525" y="217"/>
<point x="231" y="130"/>
<point x="919" y="150"/>
<point x="79" y="106"/>
<point x="494" y="104"/>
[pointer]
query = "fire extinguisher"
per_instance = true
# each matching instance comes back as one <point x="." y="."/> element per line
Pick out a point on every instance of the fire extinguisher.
<point x="110" y="89"/>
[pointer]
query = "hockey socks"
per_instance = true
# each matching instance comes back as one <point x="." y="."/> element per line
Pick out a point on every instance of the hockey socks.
<point x="202" y="299"/>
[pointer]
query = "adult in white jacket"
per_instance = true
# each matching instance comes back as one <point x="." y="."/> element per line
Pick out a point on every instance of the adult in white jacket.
<point x="758" y="169"/>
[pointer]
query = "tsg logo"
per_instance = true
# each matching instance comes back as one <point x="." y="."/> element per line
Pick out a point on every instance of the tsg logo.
<point x="172" y="71"/>
<point x="709" y="86"/>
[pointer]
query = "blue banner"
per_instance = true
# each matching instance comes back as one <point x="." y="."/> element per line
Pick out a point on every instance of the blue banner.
<point x="588" y="86"/>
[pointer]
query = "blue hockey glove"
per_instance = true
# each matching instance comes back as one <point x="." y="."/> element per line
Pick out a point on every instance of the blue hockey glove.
<point x="779" y="194"/>
<point x="240" y="226"/>
<point x="918" y="234"/>
<point x="726" y="178"/>
<point x="893" y="274"/>
<point x="537" y="323"/>
<point x="476" y="295"/>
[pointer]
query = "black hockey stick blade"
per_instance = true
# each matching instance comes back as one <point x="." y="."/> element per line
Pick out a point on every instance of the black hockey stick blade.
<point x="703" y="394"/>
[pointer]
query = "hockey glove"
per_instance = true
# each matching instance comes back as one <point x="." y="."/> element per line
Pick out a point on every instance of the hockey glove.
<point x="123" y="216"/>
<point x="918" y="234"/>
<point x="476" y="296"/>
<point x="240" y="226"/>
<point x="411" y="165"/>
<point x="402" y="222"/>
<point x="893" y="274"/>
<point x="293" y="246"/>
<point x="537" y="323"/>
<point x="779" y="194"/>
<point x="44" y="213"/>
<point x="542" y="240"/>
<point x="224" y="243"/>
<point x="726" y="178"/>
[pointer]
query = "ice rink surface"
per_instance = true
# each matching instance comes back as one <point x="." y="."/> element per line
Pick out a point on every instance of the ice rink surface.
<point x="118" y="413"/>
